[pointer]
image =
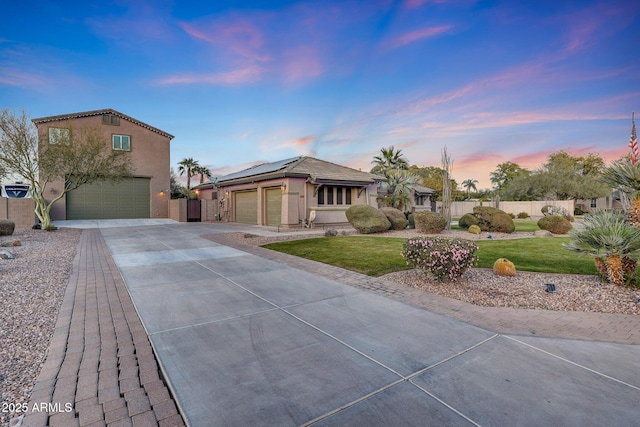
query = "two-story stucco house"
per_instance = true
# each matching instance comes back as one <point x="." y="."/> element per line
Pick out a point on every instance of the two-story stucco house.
<point x="145" y="195"/>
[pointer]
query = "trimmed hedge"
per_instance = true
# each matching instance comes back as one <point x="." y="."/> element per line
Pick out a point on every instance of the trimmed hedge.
<point x="555" y="224"/>
<point x="429" y="222"/>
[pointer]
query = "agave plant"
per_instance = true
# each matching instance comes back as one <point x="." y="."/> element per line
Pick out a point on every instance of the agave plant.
<point x="612" y="240"/>
<point x="625" y="176"/>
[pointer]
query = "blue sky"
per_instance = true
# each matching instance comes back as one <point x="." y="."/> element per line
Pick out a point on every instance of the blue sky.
<point x="241" y="82"/>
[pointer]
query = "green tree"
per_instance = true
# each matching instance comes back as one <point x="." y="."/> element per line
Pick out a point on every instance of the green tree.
<point x="177" y="190"/>
<point x="431" y="177"/>
<point x="187" y="166"/>
<point x="562" y="177"/>
<point x="505" y="173"/>
<point x="389" y="159"/>
<point x="202" y="171"/>
<point x="470" y="184"/>
<point x="397" y="192"/>
<point x="77" y="156"/>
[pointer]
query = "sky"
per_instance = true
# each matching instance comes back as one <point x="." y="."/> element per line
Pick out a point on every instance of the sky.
<point x="245" y="82"/>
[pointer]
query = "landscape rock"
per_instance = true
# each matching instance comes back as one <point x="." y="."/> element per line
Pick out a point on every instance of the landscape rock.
<point x="367" y="219"/>
<point x="396" y="218"/>
<point x="542" y="233"/>
<point x="5" y="254"/>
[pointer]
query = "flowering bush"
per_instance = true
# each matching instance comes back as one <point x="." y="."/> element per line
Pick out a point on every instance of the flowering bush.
<point x="446" y="259"/>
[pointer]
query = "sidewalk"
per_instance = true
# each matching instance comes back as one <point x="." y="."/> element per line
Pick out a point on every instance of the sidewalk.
<point x="100" y="368"/>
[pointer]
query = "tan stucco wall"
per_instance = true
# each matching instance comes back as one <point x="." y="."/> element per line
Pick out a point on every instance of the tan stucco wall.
<point x="150" y="155"/>
<point x="533" y="208"/>
<point x="178" y="210"/>
<point x="298" y="200"/>
<point x="20" y="211"/>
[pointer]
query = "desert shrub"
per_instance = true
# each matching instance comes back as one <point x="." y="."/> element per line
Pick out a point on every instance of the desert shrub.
<point x="549" y="210"/>
<point x="446" y="259"/>
<point x="504" y="267"/>
<point x="429" y="222"/>
<point x="331" y="233"/>
<point x="523" y="215"/>
<point x="396" y="218"/>
<point x="512" y="216"/>
<point x="6" y="227"/>
<point x="492" y="219"/>
<point x="474" y="229"/>
<point x="555" y="224"/>
<point x="367" y="219"/>
<point x="467" y="220"/>
<point x="578" y="211"/>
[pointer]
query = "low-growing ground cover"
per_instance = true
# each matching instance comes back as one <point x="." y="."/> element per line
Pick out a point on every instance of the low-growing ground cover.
<point x="376" y="256"/>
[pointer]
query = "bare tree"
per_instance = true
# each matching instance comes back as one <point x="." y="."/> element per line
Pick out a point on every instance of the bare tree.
<point x="447" y="167"/>
<point x="76" y="156"/>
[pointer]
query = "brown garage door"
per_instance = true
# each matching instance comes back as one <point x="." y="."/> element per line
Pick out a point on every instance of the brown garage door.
<point x="129" y="198"/>
<point x="246" y="206"/>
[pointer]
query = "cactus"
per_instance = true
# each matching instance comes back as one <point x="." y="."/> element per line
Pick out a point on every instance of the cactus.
<point x="474" y="229"/>
<point x="504" y="267"/>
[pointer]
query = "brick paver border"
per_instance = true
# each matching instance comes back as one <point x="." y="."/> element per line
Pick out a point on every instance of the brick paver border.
<point x="616" y="328"/>
<point x="100" y="368"/>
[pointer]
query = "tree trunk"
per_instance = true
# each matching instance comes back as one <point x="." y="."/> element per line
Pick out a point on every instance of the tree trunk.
<point x="629" y="267"/>
<point x="615" y="274"/>
<point x="601" y="266"/>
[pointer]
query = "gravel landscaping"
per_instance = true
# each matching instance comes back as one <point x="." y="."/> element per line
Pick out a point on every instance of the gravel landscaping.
<point x="31" y="290"/>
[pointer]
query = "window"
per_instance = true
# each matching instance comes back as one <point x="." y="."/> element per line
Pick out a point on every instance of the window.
<point x="58" y="135"/>
<point x="334" y="195"/>
<point x="329" y="195"/>
<point x="110" y="119"/>
<point x="121" y="142"/>
<point x="594" y="203"/>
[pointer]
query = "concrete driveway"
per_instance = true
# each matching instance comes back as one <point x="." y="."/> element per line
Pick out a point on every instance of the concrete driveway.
<point x="243" y="340"/>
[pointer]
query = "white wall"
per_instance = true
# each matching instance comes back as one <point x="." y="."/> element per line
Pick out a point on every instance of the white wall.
<point x="534" y="209"/>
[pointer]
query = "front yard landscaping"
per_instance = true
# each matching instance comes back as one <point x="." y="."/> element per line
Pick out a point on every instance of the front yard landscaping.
<point x="377" y="256"/>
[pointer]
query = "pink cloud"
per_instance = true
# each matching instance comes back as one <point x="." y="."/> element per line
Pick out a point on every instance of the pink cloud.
<point x="304" y="145"/>
<point x="414" y="4"/>
<point x="246" y="75"/>
<point x="414" y="36"/>
<point x="239" y="37"/>
<point x="302" y="63"/>
<point x="18" y="79"/>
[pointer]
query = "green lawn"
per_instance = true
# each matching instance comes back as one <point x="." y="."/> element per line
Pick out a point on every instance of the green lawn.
<point x="376" y="256"/>
<point x="521" y="225"/>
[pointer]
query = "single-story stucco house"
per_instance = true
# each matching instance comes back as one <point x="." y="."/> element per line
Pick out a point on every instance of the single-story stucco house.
<point x="290" y="193"/>
<point x="145" y="195"/>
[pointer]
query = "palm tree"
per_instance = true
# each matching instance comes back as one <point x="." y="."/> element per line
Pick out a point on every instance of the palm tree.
<point x="397" y="191"/>
<point x="625" y="177"/>
<point x="470" y="184"/>
<point x="388" y="160"/>
<point x="187" y="165"/>
<point x="202" y="171"/>
<point x="612" y="240"/>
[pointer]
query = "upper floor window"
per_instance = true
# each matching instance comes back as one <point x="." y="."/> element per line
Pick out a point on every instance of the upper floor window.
<point x="121" y="142"/>
<point x="58" y="135"/>
<point x="111" y="119"/>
